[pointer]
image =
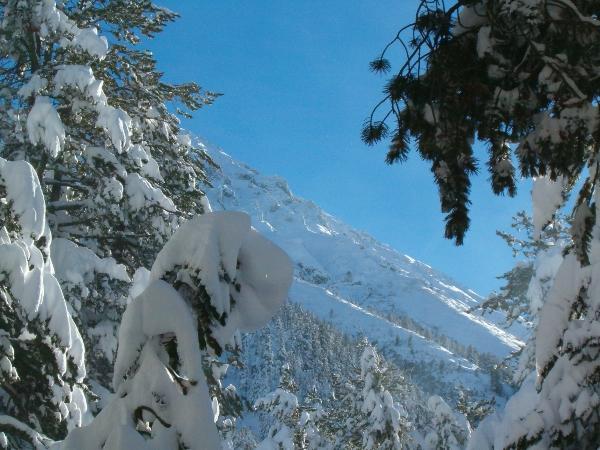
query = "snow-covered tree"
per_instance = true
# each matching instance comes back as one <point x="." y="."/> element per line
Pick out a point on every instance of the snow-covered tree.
<point x="227" y="404"/>
<point x="312" y="422"/>
<point x="93" y="120"/>
<point x="525" y="73"/>
<point x="282" y="406"/>
<point x="527" y="284"/>
<point x="214" y="262"/>
<point x="385" y="421"/>
<point x="513" y="299"/>
<point x="474" y="410"/>
<point x="294" y="425"/>
<point x="41" y="351"/>
<point x="450" y="429"/>
<point x="370" y="418"/>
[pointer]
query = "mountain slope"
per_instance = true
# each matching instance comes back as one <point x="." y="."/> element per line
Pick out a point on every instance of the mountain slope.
<point x="417" y="316"/>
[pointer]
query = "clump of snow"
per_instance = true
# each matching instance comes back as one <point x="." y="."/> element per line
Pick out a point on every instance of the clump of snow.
<point x="50" y="19"/>
<point x="89" y="41"/>
<point x="141" y="280"/>
<point x="232" y="262"/>
<point x="24" y="193"/>
<point x="35" y="84"/>
<point x="545" y="267"/>
<point x="118" y="124"/>
<point x="483" y="41"/>
<point x="554" y="315"/>
<point x="469" y="18"/>
<point x="80" y="77"/>
<point x="158" y="310"/>
<point x="547" y="196"/>
<point x="93" y="154"/>
<point x="45" y="127"/>
<point x="141" y="193"/>
<point x="145" y="161"/>
<point x="74" y="263"/>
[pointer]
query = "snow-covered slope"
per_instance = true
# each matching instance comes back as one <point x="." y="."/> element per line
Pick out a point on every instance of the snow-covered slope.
<point x="417" y="316"/>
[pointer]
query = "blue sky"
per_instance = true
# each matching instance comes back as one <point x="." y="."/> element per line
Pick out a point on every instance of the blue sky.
<point x="297" y="88"/>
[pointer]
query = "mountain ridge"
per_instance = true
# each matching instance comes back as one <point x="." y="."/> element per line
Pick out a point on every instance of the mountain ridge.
<point x="416" y="315"/>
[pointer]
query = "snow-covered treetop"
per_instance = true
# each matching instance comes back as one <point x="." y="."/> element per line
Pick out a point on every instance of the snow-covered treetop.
<point x="451" y="430"/>
<point x="228" y="271"/>
<point x="162" y="399"/>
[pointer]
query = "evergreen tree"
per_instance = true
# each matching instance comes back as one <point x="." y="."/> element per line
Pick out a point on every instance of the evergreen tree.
<point x="524" y="72"/>
<point x="283" y="407"/>
<point x="450" y="431"/>
<point x="528" y="283"/>
<point x="41" y="351"/>
<point x="371" y="419"/>
<point x="294" y="425"/>
<point x="513" y="299"/>
<point x="93" y="120"/>
<point x="474" y="411"/>
<point x="215" y="263"/>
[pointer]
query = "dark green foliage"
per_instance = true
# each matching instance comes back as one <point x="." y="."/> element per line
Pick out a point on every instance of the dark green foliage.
<point x="374" y="132"/>
<point x="503" y="72"/>
<point x="380" y="65"/>
<point x="194" y="292"/>
<point x="28" y="396"/>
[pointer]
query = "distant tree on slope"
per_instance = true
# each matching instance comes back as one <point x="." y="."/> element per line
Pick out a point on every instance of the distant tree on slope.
<point x="294" y="423"/>
<point x="367" y="416"/>
<point x="450" y="430"/>
<point x="526" y="73"/>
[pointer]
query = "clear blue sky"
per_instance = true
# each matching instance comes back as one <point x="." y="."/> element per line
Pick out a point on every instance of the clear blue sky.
<point x="297" y="88"/>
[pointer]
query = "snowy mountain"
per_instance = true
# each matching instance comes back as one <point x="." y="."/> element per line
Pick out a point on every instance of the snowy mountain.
<point x="417" y="316"/>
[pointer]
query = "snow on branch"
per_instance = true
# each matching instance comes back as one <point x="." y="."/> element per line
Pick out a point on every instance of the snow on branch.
<point x="236" y="275"/>
<point x="162" y="399"/>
